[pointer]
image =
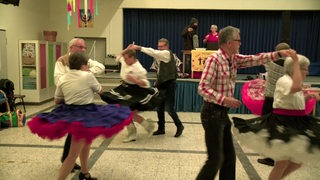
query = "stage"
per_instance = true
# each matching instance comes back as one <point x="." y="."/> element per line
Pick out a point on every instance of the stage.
<point x="187" y="97"/>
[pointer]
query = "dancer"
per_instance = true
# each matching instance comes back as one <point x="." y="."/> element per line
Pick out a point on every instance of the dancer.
<point x="217" y="89"/>
<point x="262" y="105"/>
<point x="62" y="67"/>
<point x="287" y="135"/>
<point x="78" y="116"/>
<point x="166" y="83"/>
<point x="134" y="91"/>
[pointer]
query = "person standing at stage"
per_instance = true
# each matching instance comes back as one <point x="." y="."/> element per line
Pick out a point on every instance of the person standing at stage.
<point x="217" y="89"/>
<point x="190" y="41"/>
<point x="275" y="71"/>
<point x="62" y="67"/>
<point x="212" y="36"/>
<point x="166" y="83"/>
<point x="135" y="92"/>
<point x="190" y="35"/>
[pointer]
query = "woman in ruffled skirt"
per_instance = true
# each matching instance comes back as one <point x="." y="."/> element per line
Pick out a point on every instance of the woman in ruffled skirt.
<point x="75" y="114"/>
<point x="287" y="135"/>
<point x="135" y="92"/>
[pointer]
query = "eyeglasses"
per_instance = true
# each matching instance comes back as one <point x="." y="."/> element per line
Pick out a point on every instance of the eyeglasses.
<point x="239" y="40"/>
<point x="81" y="47"/>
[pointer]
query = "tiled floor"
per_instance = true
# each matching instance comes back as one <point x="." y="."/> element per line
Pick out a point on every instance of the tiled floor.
<point x="25" y="156"/>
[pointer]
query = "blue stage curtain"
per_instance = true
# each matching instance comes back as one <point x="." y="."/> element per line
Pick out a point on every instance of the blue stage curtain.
<point x="305" y="37"/>
<point x="188" y="99"/>
<point x="259" y="32"/>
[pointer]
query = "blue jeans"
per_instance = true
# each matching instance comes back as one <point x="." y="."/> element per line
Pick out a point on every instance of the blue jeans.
<point x="168" y="88"/>
<point x="219" y="142"/>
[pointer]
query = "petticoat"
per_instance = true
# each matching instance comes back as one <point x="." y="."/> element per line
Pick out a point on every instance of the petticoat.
<point x="281" y="137"/>
<point x="81" y="121"/>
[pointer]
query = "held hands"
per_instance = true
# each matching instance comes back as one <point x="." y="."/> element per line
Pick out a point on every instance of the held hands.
<point x="293" y="55"/>
<point x="134" y="47"/>
<point x="231" y="102"/>
<point x="288" y="53"/>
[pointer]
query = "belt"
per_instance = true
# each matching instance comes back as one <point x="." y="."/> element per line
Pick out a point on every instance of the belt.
<point x="216" y="106"/>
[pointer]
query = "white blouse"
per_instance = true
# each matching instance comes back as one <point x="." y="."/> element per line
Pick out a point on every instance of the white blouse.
<point x="136" y="69"/>
<point x="283" y="99"/>
<point x="77" y="87"/>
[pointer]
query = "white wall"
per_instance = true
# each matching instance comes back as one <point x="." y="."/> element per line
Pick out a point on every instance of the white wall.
<point x="22" y="23"/>
<point x="33" y="16"/>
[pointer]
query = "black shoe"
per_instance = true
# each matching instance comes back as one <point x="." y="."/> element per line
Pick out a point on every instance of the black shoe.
<point x="179" y="131"/>
<point x="266" y="161"/>
<point x="86" y="176"/>
<point x="76" y="167"/>
<point x="159" y="132"/>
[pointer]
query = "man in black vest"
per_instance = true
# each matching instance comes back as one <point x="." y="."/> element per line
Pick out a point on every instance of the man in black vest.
<point x="166" y="82"/>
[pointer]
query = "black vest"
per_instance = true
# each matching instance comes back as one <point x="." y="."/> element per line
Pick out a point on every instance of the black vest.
<point x="167" y="71"/>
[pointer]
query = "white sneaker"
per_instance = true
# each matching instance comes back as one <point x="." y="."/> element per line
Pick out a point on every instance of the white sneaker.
<point x="129" y="139"/>
<point x="132" y="133"/>
<point x="148" y="126"/>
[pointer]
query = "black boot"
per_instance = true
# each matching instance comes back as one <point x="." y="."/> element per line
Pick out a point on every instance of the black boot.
<point x="159" y="132"/>
<point x="266" y="161"/>
<point x="86" y="176"/>
<point x="179" y="131"/>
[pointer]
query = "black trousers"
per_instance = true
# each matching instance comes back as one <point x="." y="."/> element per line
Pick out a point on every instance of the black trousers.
<point x="267" y="105"/>
<point x="66" y="148"/>
<point x="169" y="88"/>
<point x="219" y="142"/>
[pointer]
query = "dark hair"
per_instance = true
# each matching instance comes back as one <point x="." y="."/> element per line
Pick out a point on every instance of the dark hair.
<point x="77" y="59"/>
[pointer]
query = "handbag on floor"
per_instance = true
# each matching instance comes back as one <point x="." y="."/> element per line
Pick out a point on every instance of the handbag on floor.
<point x="14" y="118"/>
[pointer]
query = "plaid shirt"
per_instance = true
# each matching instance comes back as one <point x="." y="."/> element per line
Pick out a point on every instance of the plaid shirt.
<point x="219" y="75"/>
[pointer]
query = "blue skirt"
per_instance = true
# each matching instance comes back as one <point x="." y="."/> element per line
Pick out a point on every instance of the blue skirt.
<point x="81" y="121"/>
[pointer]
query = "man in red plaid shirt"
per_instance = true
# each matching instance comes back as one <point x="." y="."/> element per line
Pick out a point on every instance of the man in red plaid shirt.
<point x="217" y="88"/>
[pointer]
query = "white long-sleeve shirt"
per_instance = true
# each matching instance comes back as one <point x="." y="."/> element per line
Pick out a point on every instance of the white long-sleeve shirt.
<point x="62" y="66"/>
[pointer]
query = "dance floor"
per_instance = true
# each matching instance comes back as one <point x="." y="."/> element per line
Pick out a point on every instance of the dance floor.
<point x="26" y="156"/>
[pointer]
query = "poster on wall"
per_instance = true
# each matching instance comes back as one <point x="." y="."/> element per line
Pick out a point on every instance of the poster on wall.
<point x="86" y="18"/>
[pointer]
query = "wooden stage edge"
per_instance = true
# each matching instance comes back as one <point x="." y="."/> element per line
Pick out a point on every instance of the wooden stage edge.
<point x="314" y="80"/>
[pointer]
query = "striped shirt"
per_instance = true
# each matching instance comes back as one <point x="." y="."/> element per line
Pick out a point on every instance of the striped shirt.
<point x="219" y="75"/>
<point x="275" y="71"/>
